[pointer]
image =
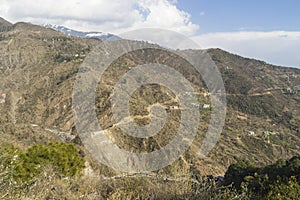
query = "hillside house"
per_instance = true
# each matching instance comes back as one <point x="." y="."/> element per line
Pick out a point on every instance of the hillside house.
<point x="2" y="98"/>
<point x="293" y="76"/>
<point x="242" y="118"/>
<point x="297" y="89"/>
<point x="206" y="106"/>
<point x="289" y="91"/>
<point x="174" y="108"/>
<point x="266" y="134"/>
<point x="206" y="94"/>
<point x="250" y="133"/>
<point x="196" y="105"/>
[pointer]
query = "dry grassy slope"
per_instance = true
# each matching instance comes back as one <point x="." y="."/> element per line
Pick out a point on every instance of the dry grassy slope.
<point x="32" y="66"/>
<point x="260" y="89"/>
<point x="38" y="68"/>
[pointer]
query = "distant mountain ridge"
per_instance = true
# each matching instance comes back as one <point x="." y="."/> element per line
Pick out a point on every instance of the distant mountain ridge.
<point x="4" y="25"/>
<point x="80" y="34"/>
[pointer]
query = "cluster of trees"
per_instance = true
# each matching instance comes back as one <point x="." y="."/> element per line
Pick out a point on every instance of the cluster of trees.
<point x="277" y="181"/>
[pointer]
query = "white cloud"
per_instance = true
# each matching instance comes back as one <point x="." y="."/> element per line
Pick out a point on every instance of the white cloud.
<point x="118" y="16"/>
<point x="277" y="47"/>
<point x="101" y="15"/>
<point x="165" y="14"/>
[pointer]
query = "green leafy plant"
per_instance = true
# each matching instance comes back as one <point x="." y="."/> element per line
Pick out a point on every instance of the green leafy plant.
<point x="64" y="158"/>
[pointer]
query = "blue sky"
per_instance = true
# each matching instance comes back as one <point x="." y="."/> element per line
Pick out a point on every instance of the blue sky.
<point x="262" y="29"/>
<point x="246" y="15"/>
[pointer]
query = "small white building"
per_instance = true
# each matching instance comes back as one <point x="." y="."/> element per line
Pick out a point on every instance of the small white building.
<point x="196" y="105"/>
<point x="2" y="98"/>
<point x="206" y="106"/>
<point x="174" y="107"/>
<point x="206" y="94"/>
<point x="250" y="133"/>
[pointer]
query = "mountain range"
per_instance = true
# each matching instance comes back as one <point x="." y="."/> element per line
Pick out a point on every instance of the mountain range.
<point x="38" y="68"/>
<point x="70" y="32"/>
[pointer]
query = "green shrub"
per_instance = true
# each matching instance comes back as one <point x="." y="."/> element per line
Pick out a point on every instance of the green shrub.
<point x="276" y="181"/>
<point x="8" y="153"/>
<point x="289" y="191"/>
<point x="64" y="158"/>
<point x="237" y="173"/>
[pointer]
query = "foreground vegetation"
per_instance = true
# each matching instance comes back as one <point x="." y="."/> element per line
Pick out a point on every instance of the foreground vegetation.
<point x="20" y="170"/>
<point x="55" y="171"/>
<point x="277" y="181"/>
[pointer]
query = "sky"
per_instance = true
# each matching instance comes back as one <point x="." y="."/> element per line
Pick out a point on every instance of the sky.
<point x="267" y="30"/>
<point x="243" y="15"/>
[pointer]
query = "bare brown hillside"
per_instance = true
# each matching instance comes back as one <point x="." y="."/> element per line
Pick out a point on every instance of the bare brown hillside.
<point x="38" y="67"/>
